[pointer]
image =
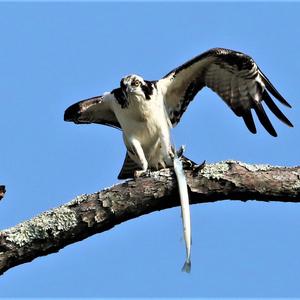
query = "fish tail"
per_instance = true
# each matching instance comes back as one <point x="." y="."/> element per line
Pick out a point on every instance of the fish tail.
<point x="187" y="266"/>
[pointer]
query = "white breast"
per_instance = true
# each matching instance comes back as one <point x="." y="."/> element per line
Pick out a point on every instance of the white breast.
<point x="146" y="121"/>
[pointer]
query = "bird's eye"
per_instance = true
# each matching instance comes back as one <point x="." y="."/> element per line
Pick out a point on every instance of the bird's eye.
<point x="135" y="83"/>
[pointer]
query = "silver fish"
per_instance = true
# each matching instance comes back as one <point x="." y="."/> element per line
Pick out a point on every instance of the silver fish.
<point x="185" y="211"/>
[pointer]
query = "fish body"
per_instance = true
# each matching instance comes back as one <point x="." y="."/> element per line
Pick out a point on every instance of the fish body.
<point x="185" y="212"/>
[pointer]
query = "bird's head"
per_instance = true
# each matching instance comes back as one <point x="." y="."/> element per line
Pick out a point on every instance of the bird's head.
<point x="136" y="85"/>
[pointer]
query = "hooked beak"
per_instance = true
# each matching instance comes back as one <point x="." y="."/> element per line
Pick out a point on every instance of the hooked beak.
<point x="129" y="89"/>
<point x="126" y="88"/>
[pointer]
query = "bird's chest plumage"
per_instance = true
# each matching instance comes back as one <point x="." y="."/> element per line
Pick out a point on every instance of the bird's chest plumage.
<point x="142" y="110"/>
<point x="146" y="121"/>
<point x="142" y="118"/>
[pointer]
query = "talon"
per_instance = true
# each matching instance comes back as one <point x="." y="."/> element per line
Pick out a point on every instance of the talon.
<point x="197" y="168"/>
<point x="187" y="163"/>
<point x="138" y="173"/>
<point x="141" y="173"/>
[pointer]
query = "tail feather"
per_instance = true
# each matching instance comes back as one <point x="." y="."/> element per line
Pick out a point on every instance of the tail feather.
<point x="187" y="266"/>
<point x="129" y="166"/>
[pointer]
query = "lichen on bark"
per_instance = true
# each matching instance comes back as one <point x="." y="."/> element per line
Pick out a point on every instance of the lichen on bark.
<point x="93" y="213"/>
<point x="47" y="224"/>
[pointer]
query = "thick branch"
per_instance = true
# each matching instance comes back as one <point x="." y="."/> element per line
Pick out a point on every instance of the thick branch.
<point x="90" y="214"/>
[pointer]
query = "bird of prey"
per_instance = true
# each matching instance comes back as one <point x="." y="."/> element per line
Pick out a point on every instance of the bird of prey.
<point x="146" y="110"/>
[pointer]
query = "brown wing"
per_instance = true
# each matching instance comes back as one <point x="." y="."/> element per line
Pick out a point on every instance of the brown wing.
<point x="93" y="110"/>
<point x="234" y="76"/>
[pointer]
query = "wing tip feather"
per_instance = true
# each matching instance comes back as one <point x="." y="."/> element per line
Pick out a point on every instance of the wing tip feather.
<point x="248" y="119"/>
<point x="72" y="113"/>
<point x="264" y="120"/>
<point x="275" y="110"/>
<point x="270" y="87"/>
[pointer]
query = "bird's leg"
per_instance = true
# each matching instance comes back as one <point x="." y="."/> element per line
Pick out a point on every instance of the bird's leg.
<point x="138" y="151"/>
<point x="197" y="168"/>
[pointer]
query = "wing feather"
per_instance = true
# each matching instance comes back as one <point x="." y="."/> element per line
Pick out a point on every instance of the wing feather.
<point x="248" y="119"/>
<point x="272" y="90"/>
<point x="264" y="120"/>
<point x="275" y="110"/>
<point x="234" y="76"/>
<point x="93" y="110"/>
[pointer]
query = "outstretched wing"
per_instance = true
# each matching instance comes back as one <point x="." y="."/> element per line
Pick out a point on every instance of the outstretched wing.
<point x="93" y="110"/>
<point x="234" y="76"/>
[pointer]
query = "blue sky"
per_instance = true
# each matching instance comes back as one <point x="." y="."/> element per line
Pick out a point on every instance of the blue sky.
<point x="54" y="54"/>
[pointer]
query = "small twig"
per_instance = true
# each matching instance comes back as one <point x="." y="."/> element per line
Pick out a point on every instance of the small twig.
<point x="2" y="191"/>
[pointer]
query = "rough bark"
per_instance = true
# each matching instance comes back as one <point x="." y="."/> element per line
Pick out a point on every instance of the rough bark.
<point x="89" y="214"/>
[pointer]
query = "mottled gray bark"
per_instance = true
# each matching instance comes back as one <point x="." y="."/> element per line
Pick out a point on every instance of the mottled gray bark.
<point x="97" y="212"/>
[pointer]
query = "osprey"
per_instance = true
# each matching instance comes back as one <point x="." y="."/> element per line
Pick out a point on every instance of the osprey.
<point x="146" y="110"/>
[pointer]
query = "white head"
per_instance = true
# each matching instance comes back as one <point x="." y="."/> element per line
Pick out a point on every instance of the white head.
<point x="135" y="84"/>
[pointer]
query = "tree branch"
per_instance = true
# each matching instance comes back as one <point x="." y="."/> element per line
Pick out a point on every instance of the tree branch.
<point x="89" y="214"/>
